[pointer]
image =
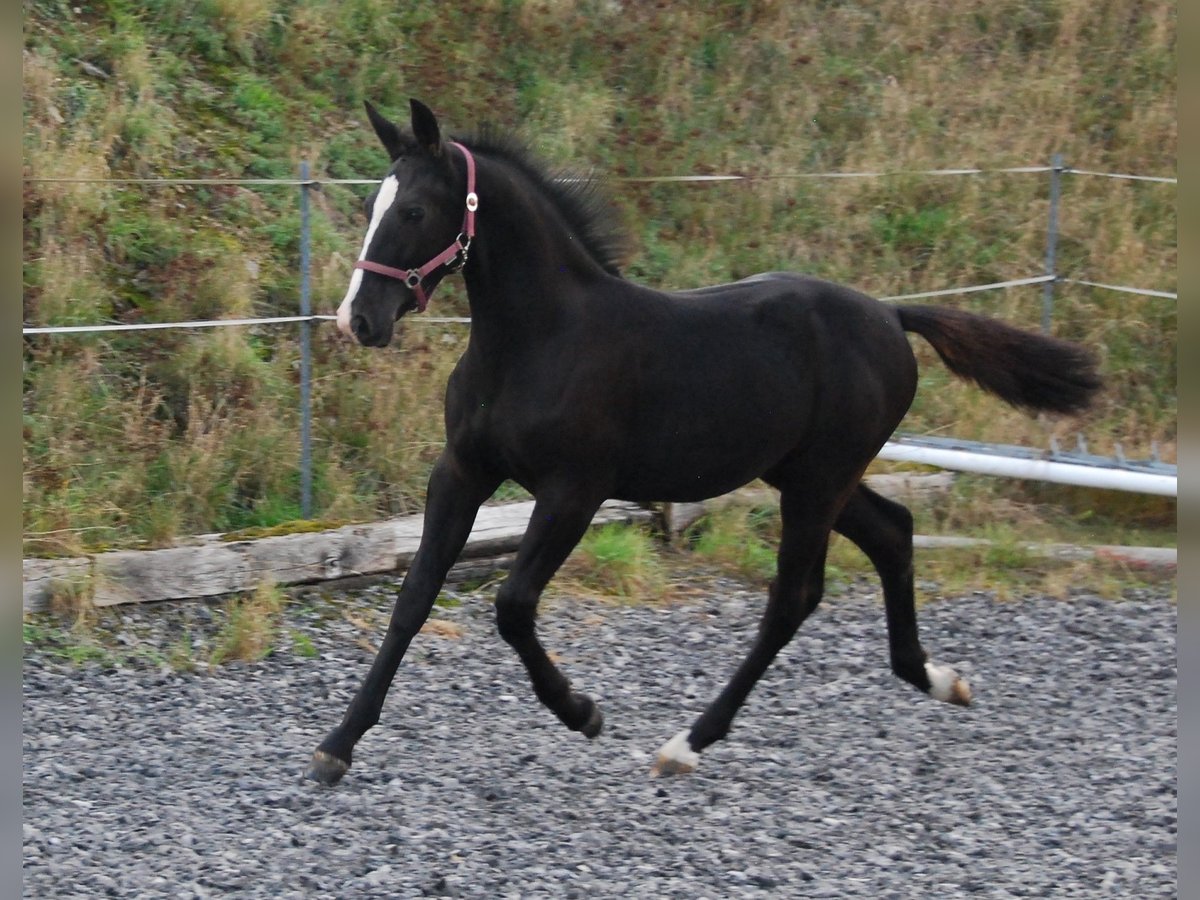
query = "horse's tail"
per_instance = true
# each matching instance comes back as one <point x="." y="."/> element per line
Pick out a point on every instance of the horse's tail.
<point x="1025" y="369"/>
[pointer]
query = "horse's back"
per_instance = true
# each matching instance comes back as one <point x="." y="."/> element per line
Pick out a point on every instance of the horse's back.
<point x="735" y="377"/>
<point x="802" y="317"/>
<point x="792" y="295"/>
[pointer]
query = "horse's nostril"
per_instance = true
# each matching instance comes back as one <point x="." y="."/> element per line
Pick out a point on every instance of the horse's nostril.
<point x="358" y="325"/>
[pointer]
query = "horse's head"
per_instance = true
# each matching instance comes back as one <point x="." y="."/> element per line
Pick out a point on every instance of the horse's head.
<point x="414" y="215"/>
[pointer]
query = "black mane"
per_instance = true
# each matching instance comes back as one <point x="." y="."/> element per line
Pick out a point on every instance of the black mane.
<point x="580" y="199"/>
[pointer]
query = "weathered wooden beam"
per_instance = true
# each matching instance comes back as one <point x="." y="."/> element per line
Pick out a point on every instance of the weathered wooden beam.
<point x="213" y="566"/>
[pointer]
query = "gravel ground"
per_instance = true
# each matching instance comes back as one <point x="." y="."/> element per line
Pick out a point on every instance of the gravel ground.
<point x="838" y="780"/>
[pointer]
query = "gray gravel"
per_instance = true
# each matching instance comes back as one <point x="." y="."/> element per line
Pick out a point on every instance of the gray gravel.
<point x="837" y="780"/>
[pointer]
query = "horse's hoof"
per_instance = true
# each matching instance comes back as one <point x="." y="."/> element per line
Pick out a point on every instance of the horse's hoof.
<point x="947" y="685"/>
<point x="676" y="757"/>
<point x="595" y="723"/>
<point x="326" y="768"/>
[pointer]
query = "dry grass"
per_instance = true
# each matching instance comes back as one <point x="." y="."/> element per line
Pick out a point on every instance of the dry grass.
<point x="250" y="627"/>
<point x="143" y="438"/>
<point x="616" y="561"/>
<point x="70" y="601"/>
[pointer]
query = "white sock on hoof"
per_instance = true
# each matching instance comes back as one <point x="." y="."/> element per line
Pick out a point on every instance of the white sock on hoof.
<point x="676" y="757"/>
<point x="946" y="685"/>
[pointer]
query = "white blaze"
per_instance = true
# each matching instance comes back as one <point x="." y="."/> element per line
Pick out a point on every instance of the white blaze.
<point x="383" y="202"/>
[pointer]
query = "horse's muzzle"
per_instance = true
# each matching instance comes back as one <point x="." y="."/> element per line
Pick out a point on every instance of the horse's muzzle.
<point x="343" y="319"/>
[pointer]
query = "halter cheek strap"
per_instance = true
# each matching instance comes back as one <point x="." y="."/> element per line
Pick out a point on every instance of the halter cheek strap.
<point x="453" y="257"/>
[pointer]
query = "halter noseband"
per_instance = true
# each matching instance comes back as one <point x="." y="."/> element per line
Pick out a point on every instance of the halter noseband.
<point x="453" y="257"/>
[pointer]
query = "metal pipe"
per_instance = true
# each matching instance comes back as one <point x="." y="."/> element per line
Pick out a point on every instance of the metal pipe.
<point x="1034" y="469"/>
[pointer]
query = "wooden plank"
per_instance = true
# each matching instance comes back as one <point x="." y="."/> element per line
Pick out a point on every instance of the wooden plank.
<point x="905" y="487"/>
<point x="1162" y="559"/>
<point x="212" y="566"/>
<point x="45" y="578"/>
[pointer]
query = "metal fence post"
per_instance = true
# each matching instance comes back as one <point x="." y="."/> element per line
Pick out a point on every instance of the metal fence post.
<point x="1056" y="170"/>
<point x="305" y="350"/>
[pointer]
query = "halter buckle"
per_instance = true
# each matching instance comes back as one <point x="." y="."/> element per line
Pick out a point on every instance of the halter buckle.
<point x="460" y="258"/>
<point x="412" y="280"/>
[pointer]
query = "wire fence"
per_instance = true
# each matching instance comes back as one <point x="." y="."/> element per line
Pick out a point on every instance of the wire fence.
<point x="305" y="181"/>
<point x="306" y="319"/>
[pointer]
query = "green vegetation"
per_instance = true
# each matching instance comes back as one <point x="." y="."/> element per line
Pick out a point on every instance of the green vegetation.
<point x="617" y="561"/>
<point x="744" y="540"/>
<point x="303" y="646"/>
<point x="136" y="439"/>
<point x="293" y="526"/>
<point x="741" y="540"/>
<point x="250" y="626"/>
<point x="244" y="627"/>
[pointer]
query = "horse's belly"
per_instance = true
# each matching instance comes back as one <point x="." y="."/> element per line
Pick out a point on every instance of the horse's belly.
<point x="701" y="458"/>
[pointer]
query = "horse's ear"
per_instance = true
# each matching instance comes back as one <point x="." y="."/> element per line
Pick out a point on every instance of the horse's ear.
<point x="425" y="128"/>
<point x="388" y="133"/>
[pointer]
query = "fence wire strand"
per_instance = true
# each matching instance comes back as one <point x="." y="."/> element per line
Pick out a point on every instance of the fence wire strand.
<point x="465" y="320"/>
<point x="1160" y="179"/>
<point x="151" y="326"/>
<point x="306" y="182"/>
<point x="620" y="179"/>
<point x="946" y="292"/>
<point x="1144" y="292"/>
<point x="218" y="323"/>
<point x="646" y="179"/>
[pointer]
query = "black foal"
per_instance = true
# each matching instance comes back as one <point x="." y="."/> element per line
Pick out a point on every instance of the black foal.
<point x="582" y="386"/>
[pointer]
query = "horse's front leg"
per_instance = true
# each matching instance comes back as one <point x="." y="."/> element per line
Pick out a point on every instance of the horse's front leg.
<point x="559" y="520"/>
<point x="454" y="497"/>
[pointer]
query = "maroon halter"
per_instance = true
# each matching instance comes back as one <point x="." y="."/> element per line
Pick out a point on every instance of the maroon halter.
<point x="454" y="257"/>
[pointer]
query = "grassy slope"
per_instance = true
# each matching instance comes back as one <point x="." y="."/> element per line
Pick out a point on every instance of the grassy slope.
<point x="147" y="436"/>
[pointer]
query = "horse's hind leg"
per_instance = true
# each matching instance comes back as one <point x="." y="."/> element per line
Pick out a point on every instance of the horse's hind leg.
<point x="883" y="531"/>
<point x="793" y="595"/>
<point x="555" y="528"/>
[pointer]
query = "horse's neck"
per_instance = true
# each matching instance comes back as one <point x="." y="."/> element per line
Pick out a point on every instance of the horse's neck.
<point x="525" y="270"/>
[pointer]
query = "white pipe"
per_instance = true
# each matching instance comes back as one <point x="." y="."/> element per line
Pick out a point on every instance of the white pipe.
<point x="1035" y="469"/>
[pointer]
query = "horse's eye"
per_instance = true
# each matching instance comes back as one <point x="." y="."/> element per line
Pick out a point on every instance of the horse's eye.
<point x="414" y="214"/>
